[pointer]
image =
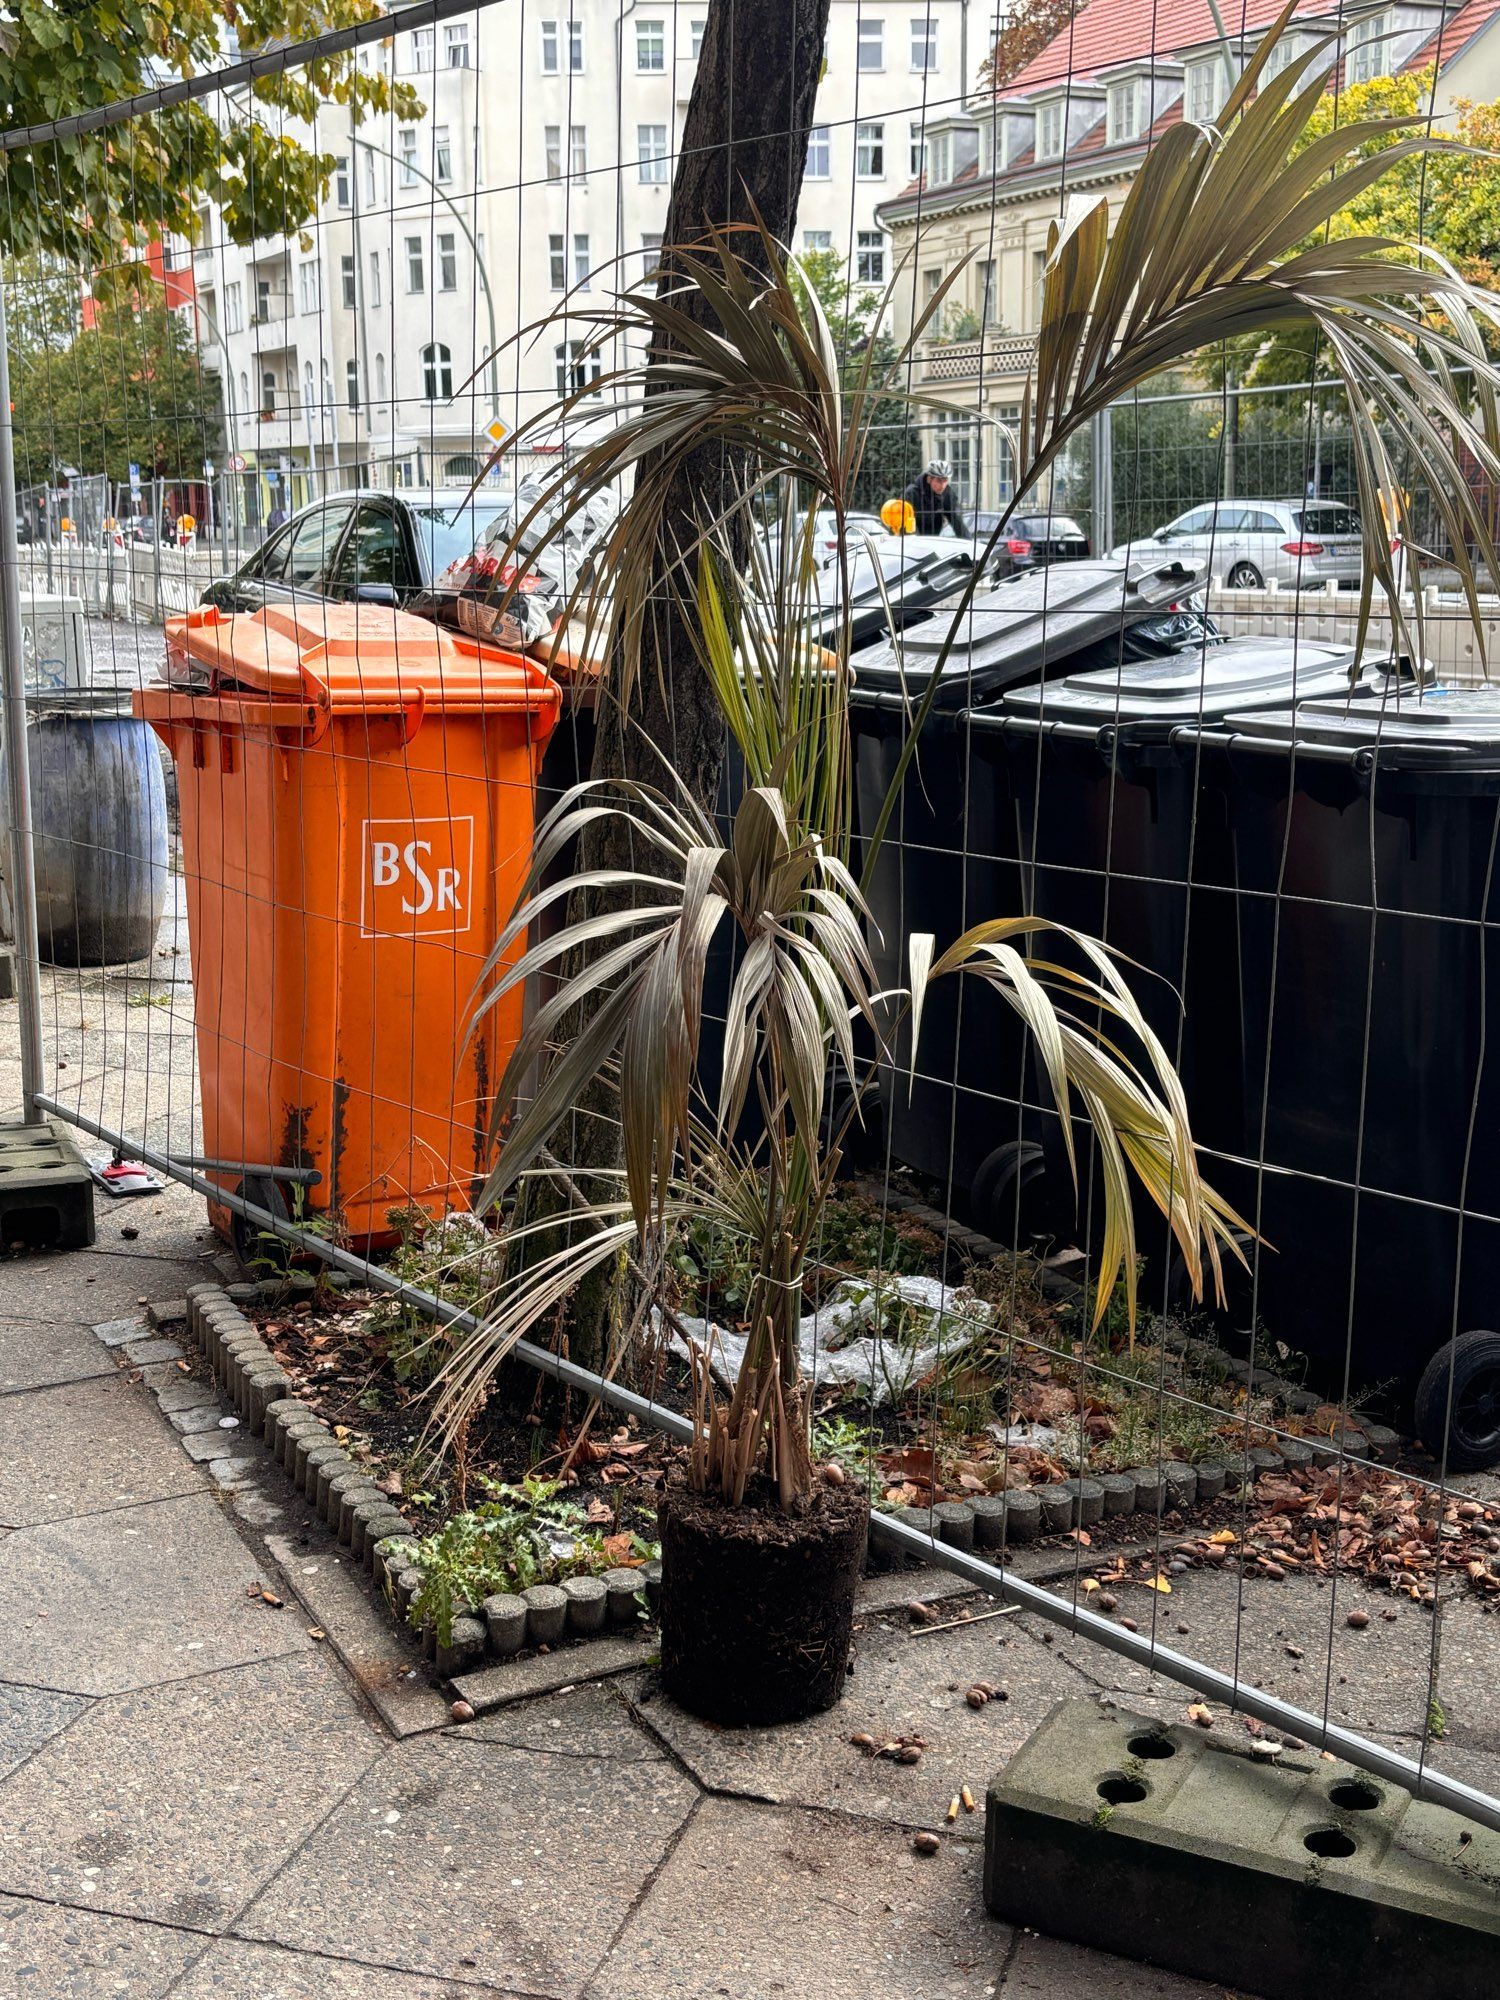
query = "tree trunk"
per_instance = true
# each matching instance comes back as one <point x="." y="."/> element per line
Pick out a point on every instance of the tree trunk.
<point x="744" y="147"/>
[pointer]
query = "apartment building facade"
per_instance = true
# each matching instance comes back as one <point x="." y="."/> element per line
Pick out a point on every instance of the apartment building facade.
<point x="364" y="347"/>
<point x="1078" y="120"/>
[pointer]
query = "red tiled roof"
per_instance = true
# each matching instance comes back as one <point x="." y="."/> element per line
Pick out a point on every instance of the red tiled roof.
<point x="1105" y="32"/>
<point x="1458" y="31"/>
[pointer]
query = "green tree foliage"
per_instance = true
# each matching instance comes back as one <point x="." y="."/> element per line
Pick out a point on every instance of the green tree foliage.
<point x="856" y="316"/>
<point x="98" y="199"/>
<point x="128" y="389"/>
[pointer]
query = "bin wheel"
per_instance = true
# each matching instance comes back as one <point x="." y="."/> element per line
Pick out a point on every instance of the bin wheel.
<point x="1471" y="1416"/>
<point x="1245" y="576"/>
<point x="258" y="1253"/>
<point x="864" y="1141"/>
<point x="1006" y="1196"/>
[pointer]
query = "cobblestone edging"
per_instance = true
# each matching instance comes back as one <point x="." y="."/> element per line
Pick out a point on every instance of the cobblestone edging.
<point x="1022" y="1513"/>
<point x="355" y="1509"/>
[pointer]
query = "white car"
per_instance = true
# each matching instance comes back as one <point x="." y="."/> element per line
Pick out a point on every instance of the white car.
<point x="1301" y="543"/>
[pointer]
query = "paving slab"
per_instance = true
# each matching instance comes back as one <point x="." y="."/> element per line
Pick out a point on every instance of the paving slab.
<point x="903" y="1685"/>
<point x="838" y="1910"/>
<point x="473" y="1860"/>
<point x="231" y="1970"/>
<point x="1047" y="1969"/>
<point x="29" y="1717"/>
<point x="124" y="1600"/>
<point x="343" y="1602"/>
<point x="588" y="1721"/>
<point x="83" y="1447"/>
<point x="225" y="1776"/>
<point x="94" y="1285"/>
<point x="36" y="1353"/>
<point x="508" y="1681"/>
<point x="1375" y="1677"/>
<point x="47" y="1953"/>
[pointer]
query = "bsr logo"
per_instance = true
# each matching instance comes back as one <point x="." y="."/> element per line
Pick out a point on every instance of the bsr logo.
<point x="416" y="876"/>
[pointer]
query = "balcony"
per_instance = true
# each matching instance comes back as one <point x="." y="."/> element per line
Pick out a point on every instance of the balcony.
<point x="994" y="357"/>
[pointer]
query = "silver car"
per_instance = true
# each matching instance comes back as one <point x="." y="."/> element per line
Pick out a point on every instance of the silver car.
<point x="1301" y="543"/>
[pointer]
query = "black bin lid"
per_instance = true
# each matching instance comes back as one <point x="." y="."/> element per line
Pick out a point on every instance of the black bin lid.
<point x="1427" y="728"/>
<point x="1202" y="683"/>
<point x="1026" y="626"/>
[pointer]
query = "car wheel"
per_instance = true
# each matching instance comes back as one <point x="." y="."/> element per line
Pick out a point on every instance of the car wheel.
<point x="1458" y="1402"/>
<point x="1245" y="576"/>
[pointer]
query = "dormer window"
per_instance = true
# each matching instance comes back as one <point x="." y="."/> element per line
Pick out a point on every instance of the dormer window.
<point x="1124" y="111"/>
<point x="1049" y="131"/>
<point x="940" y="159"/>
<point x="1206" y="90"/>
<point x="1368" y="53"/>
<point x="1286" y="50"/>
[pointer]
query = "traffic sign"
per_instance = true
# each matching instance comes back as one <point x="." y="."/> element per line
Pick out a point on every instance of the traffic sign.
<point x="135" y="482"/>
<point x="497" y="430"/>
<point x="236" y="461"/>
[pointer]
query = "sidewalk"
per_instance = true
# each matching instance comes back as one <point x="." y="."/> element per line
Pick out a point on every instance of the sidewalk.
<point x="196" y="1799"/>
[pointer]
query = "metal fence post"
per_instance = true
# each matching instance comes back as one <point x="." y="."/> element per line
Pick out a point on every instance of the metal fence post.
<point x="17" y="765"/>
<point x="1103" y="468"/>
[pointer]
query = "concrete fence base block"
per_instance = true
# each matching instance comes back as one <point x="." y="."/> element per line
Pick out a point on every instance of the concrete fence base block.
<point x="1300" y="1878"/>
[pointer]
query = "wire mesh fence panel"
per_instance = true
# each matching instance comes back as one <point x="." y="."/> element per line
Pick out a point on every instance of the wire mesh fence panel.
<point x="326" y="582"/>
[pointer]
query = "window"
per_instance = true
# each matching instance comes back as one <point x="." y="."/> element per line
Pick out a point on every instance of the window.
<point x="869" y="257"/>
<point x="372" y="185"/>
<point x="651" y="248"/>
<point x="651" y="150"/>
<point x="442" y="154"/>
<point x="423" y="49"/>
<point x="416" y="275"/>
<point x="1367" y="48"/>
<point x="581" y="260"/>
<point x="695" y="38"/>
<point x="380" y="378"/>
<point x="1205" y="91"/>
<point x="549" y="48"/>
<point x="576" y="368"/>
<point x="987" y="293"/>
<point x="447" y="262"/>
<point x="268" y="394"/>
<point x="307" y="286"/>
<point x="406" y="146"/>
<point x="578" y="150"/>
<point x="1038" y="282"/>
<point x="309" y="548"/>
<point x="262" y="301"/>
<point x="341" y="180"/>
<point x="461" y="471"/>
<point x="957" y="441"/>
<point x="456" y="40"/>
<point x="371" y="552"/>
<point x="818" y="154"/>
<point x="923" y="45"/>
<point x="940" y="158"/>
<point x="557" y="257"/>
<point x="307" y="388"/>
<point x="1124" y="116"/>
<point x="817" y="239"/>
<point x="1049" y="132"/>
<point x="918" y="161"/>
<point x="870" y="45"/>
<point x="869" y="152"/>
<point x="650" y="46"/>
<point x="1286" y="50"/>
<point x="437" y="373"/>
<point x="932" y="281"/>
<point x="244" y="390"/>
<point x="575" y="47"/>
<point x="374" y="277"/>
<point x="351" y="385"/>
<point x="552" y="149"/>
<point x="346" y="282"/>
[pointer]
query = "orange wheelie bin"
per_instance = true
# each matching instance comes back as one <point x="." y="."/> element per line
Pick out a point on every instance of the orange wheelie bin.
<point x="357" y="791"/>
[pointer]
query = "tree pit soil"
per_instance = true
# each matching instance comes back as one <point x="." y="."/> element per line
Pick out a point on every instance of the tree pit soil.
<point x="757" y="1603"/>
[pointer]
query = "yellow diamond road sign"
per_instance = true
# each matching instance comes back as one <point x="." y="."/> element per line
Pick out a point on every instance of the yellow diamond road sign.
<point x="497" y="430"/>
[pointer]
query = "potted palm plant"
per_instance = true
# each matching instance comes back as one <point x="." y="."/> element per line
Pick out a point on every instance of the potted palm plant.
<point x="1218" y="234"/>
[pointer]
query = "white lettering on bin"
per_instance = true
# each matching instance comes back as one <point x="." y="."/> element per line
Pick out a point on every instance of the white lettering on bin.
<point x="415" y="877"/>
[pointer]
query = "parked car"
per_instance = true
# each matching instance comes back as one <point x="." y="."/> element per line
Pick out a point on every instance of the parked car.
<point x="382" y="548"/>
<point x="1033" y="540"/>
<point x="1248" y="542"/>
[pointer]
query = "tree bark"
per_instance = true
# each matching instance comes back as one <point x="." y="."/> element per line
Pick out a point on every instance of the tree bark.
<point x="744" y="147"/>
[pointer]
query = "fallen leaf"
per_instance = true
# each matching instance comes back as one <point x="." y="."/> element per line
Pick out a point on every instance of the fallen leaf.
<point x="1159" y="1583"/>
<point x="598" y="1511"/>
<point x="620" y="1550"/>
<point x="1223" y="1537"/>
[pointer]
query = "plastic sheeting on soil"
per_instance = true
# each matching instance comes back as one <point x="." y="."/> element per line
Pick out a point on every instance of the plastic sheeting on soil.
<point x="882" y="1336"/>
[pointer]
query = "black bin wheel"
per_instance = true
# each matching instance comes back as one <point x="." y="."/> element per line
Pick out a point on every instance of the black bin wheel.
<point x="258" y="1253"/>
<point x="1470" y="1416"/>
<point x="1006" y="1197"/>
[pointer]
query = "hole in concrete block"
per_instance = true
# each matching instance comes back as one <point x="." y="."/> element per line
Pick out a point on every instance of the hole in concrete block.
<point x="1116" y="1790"/>
<point x="1152" y="1746"/>
<point x="1329" y="1841"/>
<point x="1354" y="1795"/>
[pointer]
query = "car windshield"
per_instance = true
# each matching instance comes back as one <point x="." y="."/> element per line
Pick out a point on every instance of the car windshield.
<point x="1040" y="526"/>
<point x="1327" y="520"/>
<point x="449" y="533"/>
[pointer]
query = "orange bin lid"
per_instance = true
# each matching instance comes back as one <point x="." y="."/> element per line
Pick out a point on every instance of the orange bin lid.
<point x="360" y="657"/>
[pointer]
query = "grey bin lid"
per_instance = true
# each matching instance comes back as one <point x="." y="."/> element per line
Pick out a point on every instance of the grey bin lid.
<point x="1202" y="683"/>
<point x="1462" y="722"/>
<point x="1025" y="626"/>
